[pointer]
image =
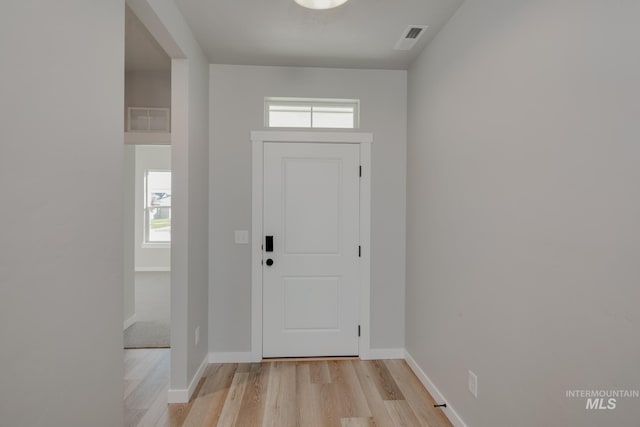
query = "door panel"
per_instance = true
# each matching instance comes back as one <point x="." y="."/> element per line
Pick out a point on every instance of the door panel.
<point x="311" y="291"/>
<point x="324" y="292"/>
<point x="312" y="206"/>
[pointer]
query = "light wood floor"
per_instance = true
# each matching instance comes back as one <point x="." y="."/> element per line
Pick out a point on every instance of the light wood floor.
<point x="340" y="393"/>
<point x="146" y="382"/>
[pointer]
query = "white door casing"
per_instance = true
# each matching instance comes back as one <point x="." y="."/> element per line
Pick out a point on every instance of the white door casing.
<point x="322" y="327"/>
<point x="311" y="278"/>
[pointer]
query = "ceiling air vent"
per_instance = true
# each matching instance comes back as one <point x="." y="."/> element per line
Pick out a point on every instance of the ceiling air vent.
<point x="410" y="37"/>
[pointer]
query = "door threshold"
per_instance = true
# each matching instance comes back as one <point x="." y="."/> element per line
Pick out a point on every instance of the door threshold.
<point x="309" y="359"/>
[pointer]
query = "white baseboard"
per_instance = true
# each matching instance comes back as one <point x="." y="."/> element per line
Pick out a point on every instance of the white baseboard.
<point x="151" y="269"/>
<point x="433" y="390"/>
<point x="232" y="357"/>
<point x="383" y="353"/>
<point x="178" y="396"/>
<point x="184" y="395"/>
<point x="130" y="321"/>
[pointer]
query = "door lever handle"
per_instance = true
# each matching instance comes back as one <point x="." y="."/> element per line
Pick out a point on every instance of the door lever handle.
<point x="269" y="262"/>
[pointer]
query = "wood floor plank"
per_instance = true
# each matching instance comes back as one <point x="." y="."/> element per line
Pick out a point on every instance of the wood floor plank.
<point x="130" y="360"/>
<point x="231" y="408"/>
<point x="252" y="407"/>
<point x="133" y="416"/>
<point x="147" y="390"/>
<point x="358" y="422"/>
<point x="209" y="402"/>
<point x="141" y="364"/>
<point x="157" y="411"/>
<point x="280" y="406"/>
<point x="178" y="414"/>
<point x="416" y="395"/>
<point x="353" y="395"/>
<point x="130" y="386"/>
<point x="308" y="397"/>
<point x="319" y="372"/>
<point x="376" y="404"/>
<point x="383" y="380"/>
<point x="402" y="414"/>
<point x="163" y="421"/>
<point x="343" y="397"/>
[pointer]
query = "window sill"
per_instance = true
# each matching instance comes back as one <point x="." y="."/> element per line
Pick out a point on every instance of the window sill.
<point x="156" y="245"/>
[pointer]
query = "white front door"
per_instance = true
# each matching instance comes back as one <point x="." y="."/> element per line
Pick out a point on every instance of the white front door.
<point x="311" y="277"/>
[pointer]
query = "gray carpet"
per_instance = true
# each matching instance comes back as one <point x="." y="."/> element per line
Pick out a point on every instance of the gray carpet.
<point x="147" y="334"/>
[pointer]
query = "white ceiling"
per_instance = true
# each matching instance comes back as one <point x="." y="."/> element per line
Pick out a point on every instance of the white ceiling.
<point x="141" y="51"/>
<point x="359" y="34"/>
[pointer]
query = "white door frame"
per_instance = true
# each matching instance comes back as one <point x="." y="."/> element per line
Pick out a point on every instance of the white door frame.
<point x="258" y="138"/>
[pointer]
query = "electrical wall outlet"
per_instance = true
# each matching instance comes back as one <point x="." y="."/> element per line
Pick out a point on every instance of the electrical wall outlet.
<point x="242" y="237"/>
<point x="197" y="334"/>
<point x="473" y="384"/>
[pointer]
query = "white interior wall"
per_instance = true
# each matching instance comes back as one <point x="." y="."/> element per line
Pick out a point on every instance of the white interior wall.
<point x="198" y="197"/>
<point x="148" y="88"/>
<point x="149" y="257"/>
<point x="61" y="259"/>
<point x="523" y="210"/>
<point x="237" y="108"/>
<point x="153" y="296"/>
<point x="129" y="234"/>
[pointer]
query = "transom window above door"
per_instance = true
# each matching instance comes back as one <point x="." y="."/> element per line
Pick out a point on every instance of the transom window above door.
<point x="324" y="113"/>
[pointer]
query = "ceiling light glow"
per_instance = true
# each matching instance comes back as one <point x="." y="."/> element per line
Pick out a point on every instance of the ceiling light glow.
<point x="320" y="4"/>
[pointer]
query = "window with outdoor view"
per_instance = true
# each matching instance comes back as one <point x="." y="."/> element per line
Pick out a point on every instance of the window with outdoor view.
<point x="311" y="113"/>
<point x="157" y="206"/>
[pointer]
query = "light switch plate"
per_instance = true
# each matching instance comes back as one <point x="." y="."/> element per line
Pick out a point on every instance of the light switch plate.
<point x="242" y="237"/>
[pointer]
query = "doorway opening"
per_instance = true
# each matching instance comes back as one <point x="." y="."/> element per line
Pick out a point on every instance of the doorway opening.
<point x="147" y="188"/>
<point x="151" y="211"/>
<point x="147" y="218"/>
